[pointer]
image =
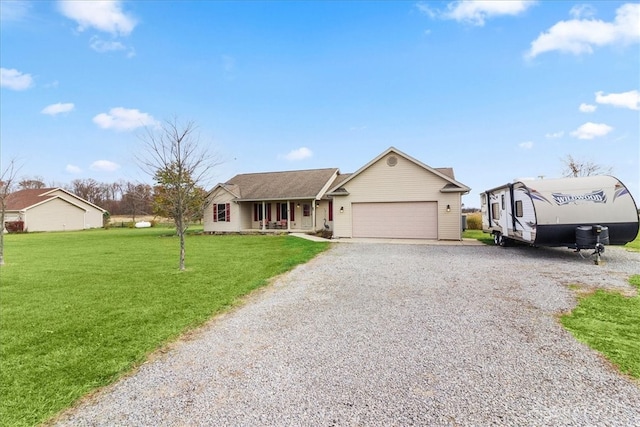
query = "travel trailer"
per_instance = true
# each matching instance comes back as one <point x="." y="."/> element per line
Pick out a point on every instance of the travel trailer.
<point x="579" y="213"/>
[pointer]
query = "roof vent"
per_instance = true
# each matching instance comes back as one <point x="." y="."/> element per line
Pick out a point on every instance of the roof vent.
<point x="392" y="161"/>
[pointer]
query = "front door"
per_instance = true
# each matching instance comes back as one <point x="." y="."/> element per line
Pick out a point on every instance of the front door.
<point x="306" y="216"/>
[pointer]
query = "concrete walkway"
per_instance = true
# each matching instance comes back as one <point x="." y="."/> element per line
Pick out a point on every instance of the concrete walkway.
<point x="463" y="242"/>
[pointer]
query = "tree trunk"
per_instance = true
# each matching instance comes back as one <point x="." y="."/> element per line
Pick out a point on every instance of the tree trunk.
<point x="180" y="230"/>
<point x="182" y="267"/>
<point x="2" y="234"/>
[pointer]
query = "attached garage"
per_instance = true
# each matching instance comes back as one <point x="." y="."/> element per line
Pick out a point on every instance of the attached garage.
<point x="395" y="196"/>
<point x="400" y="220"/>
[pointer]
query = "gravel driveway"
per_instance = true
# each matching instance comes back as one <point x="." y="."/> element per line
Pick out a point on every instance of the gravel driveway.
<point x="388" y="334"/>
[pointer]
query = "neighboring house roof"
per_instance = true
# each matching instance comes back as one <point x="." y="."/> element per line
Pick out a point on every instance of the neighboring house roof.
<point x="288" y="185"/>
<point x="24" y="199"/>
<point x="444" y="173"/>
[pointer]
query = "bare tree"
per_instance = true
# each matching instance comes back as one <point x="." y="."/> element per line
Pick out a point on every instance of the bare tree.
<point x="35" y="183"/>
<point x="89" y="189"/>
<point x="178" y="163"/>
<point x="575" y="168"/>
<point x="137" y="199"/>
<point x="7" y="182"/>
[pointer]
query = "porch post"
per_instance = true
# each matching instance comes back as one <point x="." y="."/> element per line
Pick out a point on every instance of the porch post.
<point x="264" y="216"/>
<point x="288" y="215"/>
<point x="313" y="215"/>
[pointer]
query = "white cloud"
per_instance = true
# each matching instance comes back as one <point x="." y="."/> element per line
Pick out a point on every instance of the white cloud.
<point x="14" y="10"/>
<point x="122" y="119"/>
<point x="423" y="7"/>
<point x="527" y="145"/>
<point x="104" y="166"/>
<point x="578" y="36"/>
<point x="582" y="11"/>
<point x="587" y="108"/>
<point x="58" y="108"/>
<point x="629" y="99"/>
<point x="476" y="12"/>
<point x="100" y="45"/>
<point x="106" y="16"/>
<point x="299" y="154"/>
<point x="591" y="130"/>
<point x="73" y="169"/>
<point x="558" y="134"/>
<point x="14" y="79"/>
<point x="103" y="46"/>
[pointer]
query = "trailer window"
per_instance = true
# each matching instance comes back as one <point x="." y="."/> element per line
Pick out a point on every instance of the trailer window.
<point x="519" y="211"/>
<point x="495" y="211"/>
<point x="502" y="201"/>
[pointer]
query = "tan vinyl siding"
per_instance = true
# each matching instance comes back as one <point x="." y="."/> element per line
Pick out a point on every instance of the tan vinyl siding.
<point x="404" y="182"/>
<point x="222" y="196"/>
<point x="322" y="213"/>
<point x="450" y="223"/>
<point x="55" y="215"/>
<point x="93" y="218"/>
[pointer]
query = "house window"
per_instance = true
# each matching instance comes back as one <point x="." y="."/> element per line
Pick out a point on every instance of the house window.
<point x="222" y="212"/>
<point x="258" y="214"/>
<point x="519" y="210"/>
<point x="330" y="210"/>
<point x="281" y="211"/>
<point x="257" y="211"/>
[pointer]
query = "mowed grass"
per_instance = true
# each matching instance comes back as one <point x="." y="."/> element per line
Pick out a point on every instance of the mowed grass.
<point x="479" y="235"/>
<point x="79" y="309"/>
<point x="634" y="245"/>
<point x="610" y="323"/>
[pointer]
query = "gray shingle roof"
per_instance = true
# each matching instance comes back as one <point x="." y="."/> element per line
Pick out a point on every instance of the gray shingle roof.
<point x="301" y="184"/>
<point x="446" y="171"/>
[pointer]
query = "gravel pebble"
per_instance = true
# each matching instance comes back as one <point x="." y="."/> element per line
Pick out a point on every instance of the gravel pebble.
<point x="390" y="335"/>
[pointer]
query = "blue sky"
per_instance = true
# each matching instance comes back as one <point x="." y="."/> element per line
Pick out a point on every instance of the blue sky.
<point x="497" y="90"/>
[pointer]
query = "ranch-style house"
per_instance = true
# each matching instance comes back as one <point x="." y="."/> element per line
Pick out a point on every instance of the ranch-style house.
<point x="392" y="196"/>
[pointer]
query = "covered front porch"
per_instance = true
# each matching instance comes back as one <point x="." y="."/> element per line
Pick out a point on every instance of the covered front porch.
<point x="305" y="215"/>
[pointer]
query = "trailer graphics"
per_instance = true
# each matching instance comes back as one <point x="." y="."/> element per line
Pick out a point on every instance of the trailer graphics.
<point x="578" y="213"/>
<point x="595" y="196"/>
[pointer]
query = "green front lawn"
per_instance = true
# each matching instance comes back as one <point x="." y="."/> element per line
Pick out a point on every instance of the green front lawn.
<point x="610" y="323"/>
<point x="79" y="309"/>
<point x="479" y="235"/>
<point x="634" y="245"/>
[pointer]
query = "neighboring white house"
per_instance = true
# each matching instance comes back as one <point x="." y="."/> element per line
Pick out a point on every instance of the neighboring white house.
<point x="392" y="196"/>
<point x="52" y="209"/>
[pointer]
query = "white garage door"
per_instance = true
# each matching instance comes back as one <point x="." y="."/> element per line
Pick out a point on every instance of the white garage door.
<point x="401" y="220"/>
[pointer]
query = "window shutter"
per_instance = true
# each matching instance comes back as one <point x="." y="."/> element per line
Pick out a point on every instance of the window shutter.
<point x="228" y="212"/>
<point x="255" y="211"/>
<point x="215" y="212"/>
<point x="330" y="210"/>
<point x="292" y="208"/>
<point x="268" y="211"/>
<point x="278" y="212"/>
